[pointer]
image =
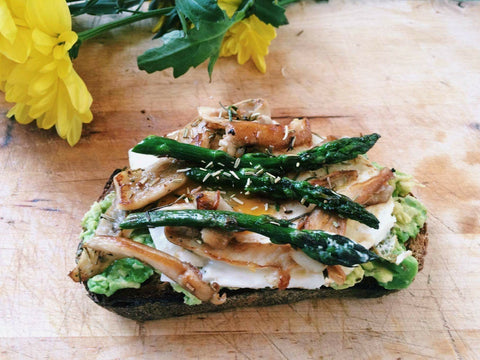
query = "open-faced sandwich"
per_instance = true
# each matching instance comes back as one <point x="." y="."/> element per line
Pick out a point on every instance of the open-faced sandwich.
<point x="238" y="210"/>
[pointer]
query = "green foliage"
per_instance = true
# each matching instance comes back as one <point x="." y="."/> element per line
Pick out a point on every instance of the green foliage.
<point x="270" y="12"/>
<point x="200" y="10"/>
<point x="102" y="7"/>
<point x="191" y="32"/>
<point x="182" y="51"/>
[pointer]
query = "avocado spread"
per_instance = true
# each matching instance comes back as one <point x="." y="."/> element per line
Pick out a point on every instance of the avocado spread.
<point x="92" y="217"/>
<point x="390" y="275"/>
<point x="122" y="273"/>
<point x="409" y="212"/>
<point x="411" y="215"/>
<point x="354" y="277"/>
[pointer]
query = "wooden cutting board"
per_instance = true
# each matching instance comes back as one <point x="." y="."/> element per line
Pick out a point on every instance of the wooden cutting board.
<point x="408" y="70"/>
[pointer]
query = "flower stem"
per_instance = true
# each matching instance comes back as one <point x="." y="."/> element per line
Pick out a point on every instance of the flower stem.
<point x="284" y="3"/>
<point x="91" y="33"/>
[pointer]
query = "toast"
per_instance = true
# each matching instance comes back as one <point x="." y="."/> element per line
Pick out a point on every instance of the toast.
<point x="157" y="299"/>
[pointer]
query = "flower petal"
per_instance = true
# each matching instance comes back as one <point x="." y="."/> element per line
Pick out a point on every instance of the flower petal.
<point x="260" y="63"/>
<point x="51" y="17"/>
<point x="78" y="92"/>
<point x="247" y="39"/>
<point x="41" y="105"/>
<point x="49" y="119"/>
<point x="20" y="49"/>
<point x="20" y="111"/>
<point x="43" y="42"/>
<point x="41" y="84"/>
<point x="17" y="85"/>
<point x="8" y="29"/>
<point x="75" y="131"/>
<point x="17" y="8"/>
<point x="64" y="67"/>
<point x="68" y="39"/>
<point x="6" y="67"/>
<point x="230" y="6"/>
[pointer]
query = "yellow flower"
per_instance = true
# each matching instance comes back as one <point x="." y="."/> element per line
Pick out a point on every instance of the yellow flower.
<point x="45" y="86"/>
<point x="249" y="38"/>
<point x="15" y="36"/>
<point x="6" y="67"/>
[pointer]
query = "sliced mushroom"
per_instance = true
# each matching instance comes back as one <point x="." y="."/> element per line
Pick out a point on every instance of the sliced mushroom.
<point x="326" y="221"/>
<point x="252" y="255"/>
<point x="201" y="132"/>
<point x="212" y="200"/>
<point x="246" y="254"/>
<point x="138" y="188"/>
<point x="91" y="263"/>
<point x="216" y="239"/>
<point x="184" y="274"/>
<point x="109" y="223"/>
<point x="251" y="109"/>
<point x="336" y="273"/>
<point x="272" y="136"/>
<point x="372" y="191"/>
<point x="336" y="179"/>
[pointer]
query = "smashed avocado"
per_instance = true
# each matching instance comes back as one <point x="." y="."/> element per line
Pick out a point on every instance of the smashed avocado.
<point x="390" y="275"/>
<point x="354" y="277"/>
<point x="402" y="184"/>
<point x="188" y="299"/>
<point x="411" y="215"/>
<point x="122" y="273"/>
<point x="92" y="217"/>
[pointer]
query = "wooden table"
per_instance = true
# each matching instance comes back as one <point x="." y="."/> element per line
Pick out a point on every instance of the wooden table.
<point x="407" y="70"/>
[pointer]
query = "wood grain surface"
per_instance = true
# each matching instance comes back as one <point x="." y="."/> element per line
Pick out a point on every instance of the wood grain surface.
<point x="408" y="70"/>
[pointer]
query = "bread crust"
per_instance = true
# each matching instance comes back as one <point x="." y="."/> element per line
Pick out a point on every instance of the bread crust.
<point x="157" y="300"/>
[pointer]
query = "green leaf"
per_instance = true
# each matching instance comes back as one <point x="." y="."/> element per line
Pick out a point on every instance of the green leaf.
<point x="101" y="7"/>
<point x="243" y="10"/>
<point x="270" y="12"/>
<point x="181" y="51"/>
<point x="200" y="10"/>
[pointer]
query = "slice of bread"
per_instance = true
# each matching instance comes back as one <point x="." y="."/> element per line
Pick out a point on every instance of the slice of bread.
<point x="157" y="300"/>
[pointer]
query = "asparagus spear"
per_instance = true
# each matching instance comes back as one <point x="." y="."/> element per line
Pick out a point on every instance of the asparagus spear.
<point x="160" y="146"/>
<point x="329" y="249"/>
<point x="281" y="188"/>
<point x="329" y="153"/>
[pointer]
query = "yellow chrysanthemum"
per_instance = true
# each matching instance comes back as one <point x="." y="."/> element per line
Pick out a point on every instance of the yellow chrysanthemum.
<point x="250" y="38"/>
<point x="45" y="86"/>
<point x="6" y="67"/>
<point x="15" y="36"/>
